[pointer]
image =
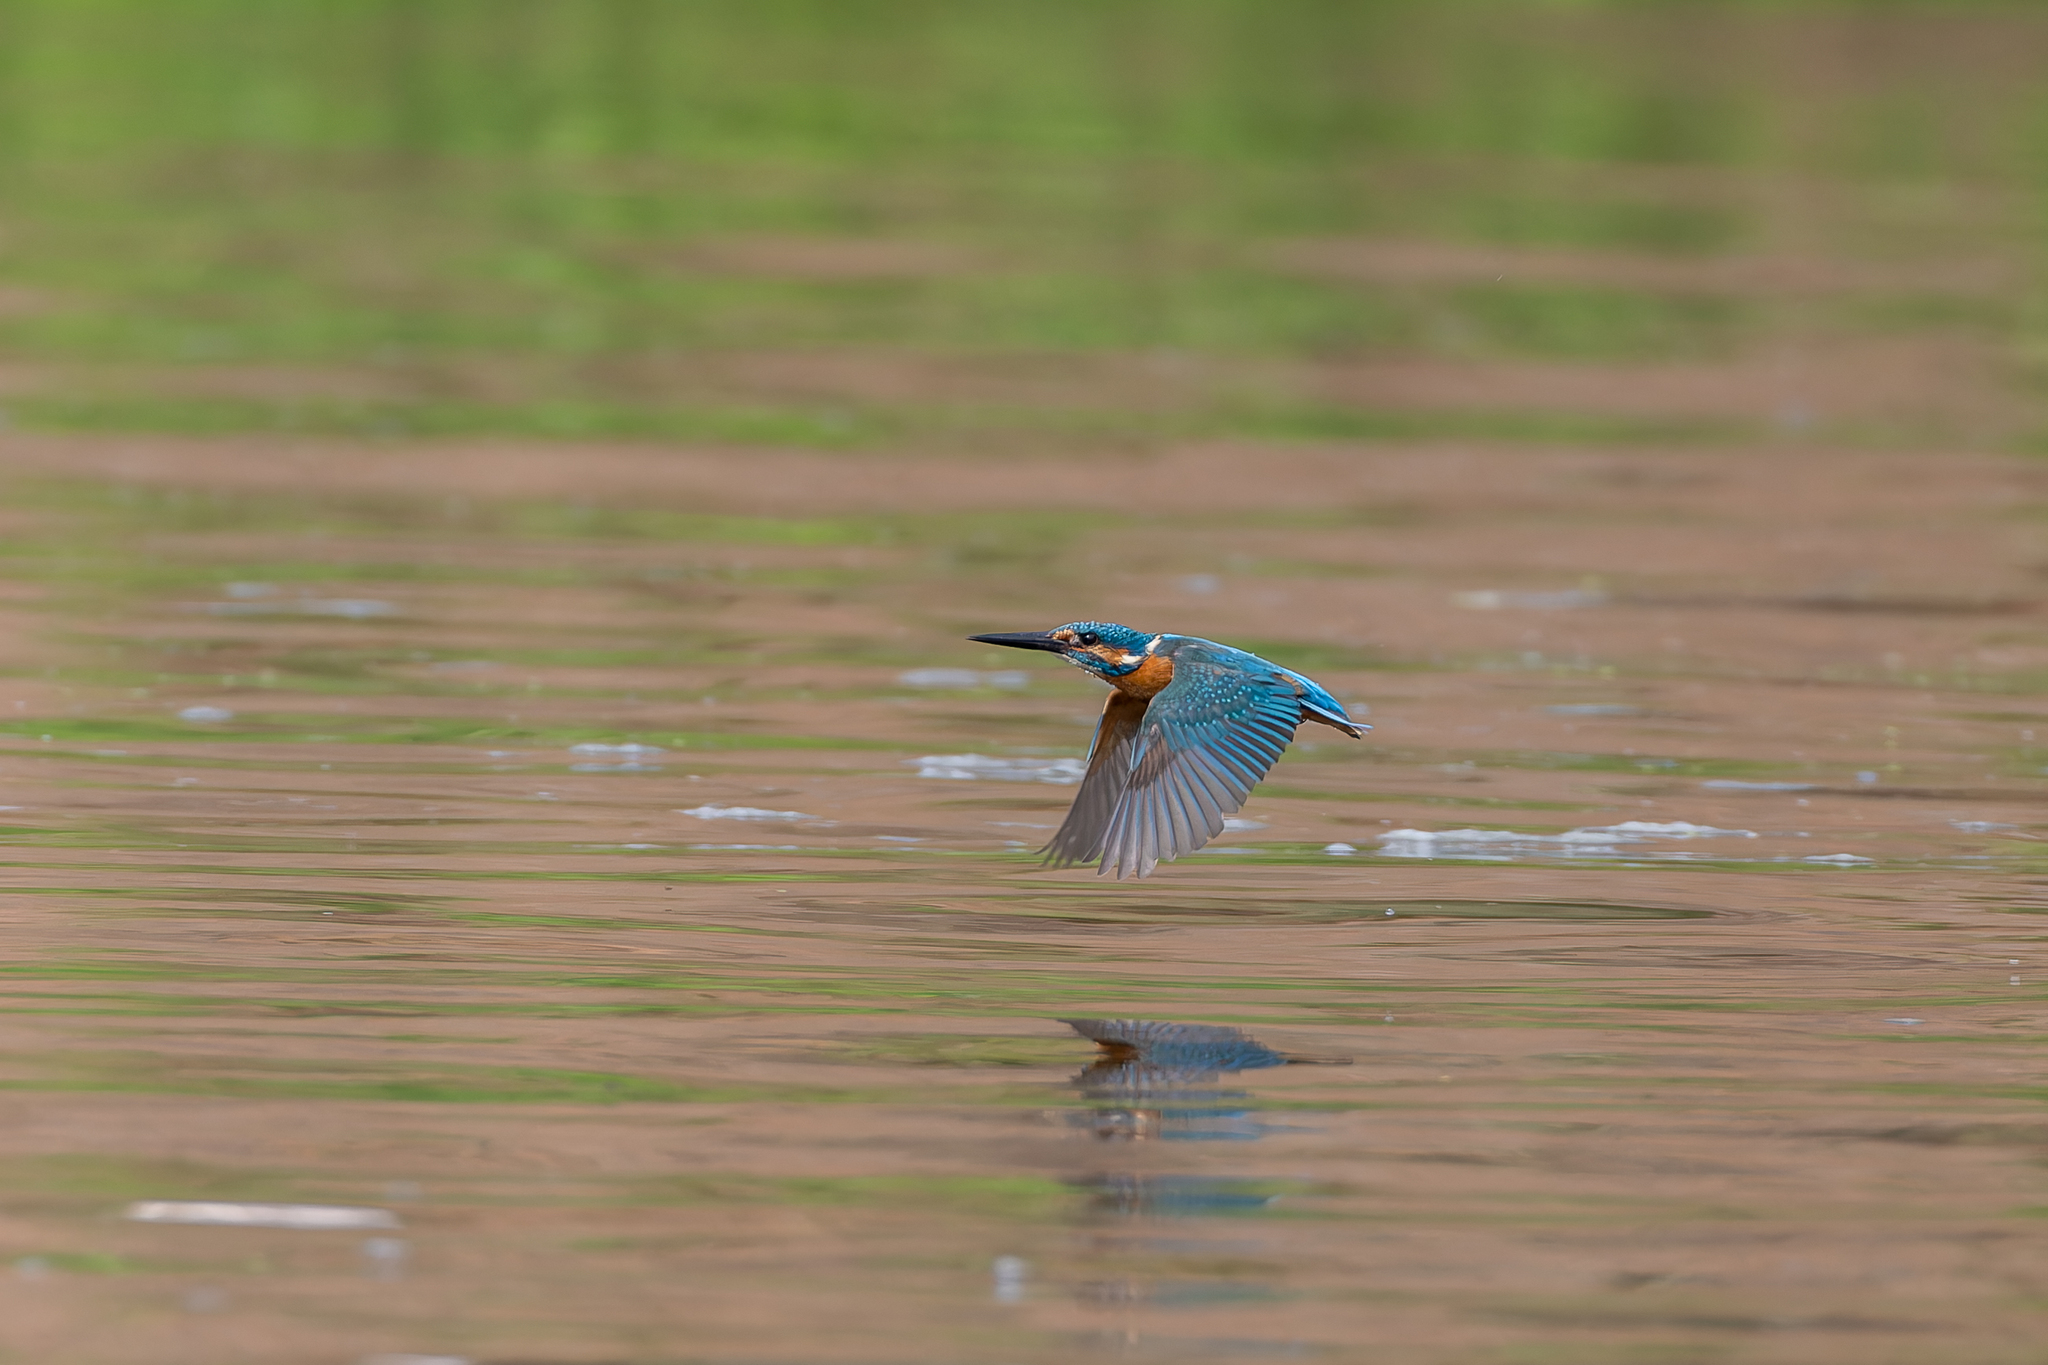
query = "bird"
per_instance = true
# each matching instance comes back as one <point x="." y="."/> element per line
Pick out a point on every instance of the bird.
<point x="1189" y="729"/>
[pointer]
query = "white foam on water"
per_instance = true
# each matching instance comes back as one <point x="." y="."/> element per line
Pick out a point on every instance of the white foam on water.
<point x="1061" y="772"/>
<point x="353" y="608"/>
<point x="1673" y="829"/>
<point x="1729" y="784"/>
<point x="629" y="754"/>
<point x="348" y="608"/>
<point x="743" y="813"/>
<point x="961" y="679"/>
<point x="1011" y="1274"/>
<point x="219" y="1213"/>
<point x="1493" y="599"/>
<point x="1502" y="845"/>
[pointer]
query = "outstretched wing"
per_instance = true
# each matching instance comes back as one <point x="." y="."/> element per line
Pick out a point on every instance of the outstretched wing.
<point x="1109" y="771"/>
<point x="1205" y="741"/>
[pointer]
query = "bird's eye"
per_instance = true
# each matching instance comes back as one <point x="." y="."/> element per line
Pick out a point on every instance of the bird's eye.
<point x="1088" y="637"/>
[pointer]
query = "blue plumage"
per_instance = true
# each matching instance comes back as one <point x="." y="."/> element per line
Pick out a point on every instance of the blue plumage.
<point x="1191" y="728"/>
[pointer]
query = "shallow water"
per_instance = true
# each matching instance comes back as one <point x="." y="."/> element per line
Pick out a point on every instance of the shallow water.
<point x="592" y="911"/>
<point x="496" y="899"/>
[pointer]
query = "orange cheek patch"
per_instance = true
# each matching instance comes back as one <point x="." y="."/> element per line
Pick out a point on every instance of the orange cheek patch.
<point x="1149" y="679"/>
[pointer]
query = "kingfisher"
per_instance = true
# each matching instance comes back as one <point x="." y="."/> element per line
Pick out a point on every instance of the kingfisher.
<point x="1189" y="729"/>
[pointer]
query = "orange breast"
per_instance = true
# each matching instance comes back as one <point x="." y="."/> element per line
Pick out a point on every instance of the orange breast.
<point x="1148" y="679"/>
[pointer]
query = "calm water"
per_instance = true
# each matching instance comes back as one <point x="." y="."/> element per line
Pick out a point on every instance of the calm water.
<point x="591" y="882"/>
<point x="510" y="858"/>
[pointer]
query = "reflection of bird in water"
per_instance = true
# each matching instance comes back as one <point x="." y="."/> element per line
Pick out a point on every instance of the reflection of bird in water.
<point x="1142" y="1057"/>
<point x="1127" y="1194"/>
<point x="1190" y="729"/>
<point x="1155" y="1078"/>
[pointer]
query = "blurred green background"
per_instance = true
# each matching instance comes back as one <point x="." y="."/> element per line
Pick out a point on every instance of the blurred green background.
<point x="990" y="222"/>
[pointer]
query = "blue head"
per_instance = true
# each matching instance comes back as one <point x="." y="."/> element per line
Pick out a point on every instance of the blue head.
<point x="1103" y="648"/>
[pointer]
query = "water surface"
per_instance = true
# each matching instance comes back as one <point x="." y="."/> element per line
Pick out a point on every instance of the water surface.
<point x="509" y="857"/>
<point x="590" y="905"/>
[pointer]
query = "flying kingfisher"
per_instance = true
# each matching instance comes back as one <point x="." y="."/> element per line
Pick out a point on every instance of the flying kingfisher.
<point x="1190" y="729"/>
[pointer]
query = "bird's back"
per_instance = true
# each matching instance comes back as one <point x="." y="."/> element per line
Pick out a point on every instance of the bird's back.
<point x="1218" y="664"/>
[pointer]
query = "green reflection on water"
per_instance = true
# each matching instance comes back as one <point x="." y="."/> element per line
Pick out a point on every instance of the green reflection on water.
<point x="99" y="1175"/>
<point x="364" y="1081"/>
<point x="865" y="426"/>
<point x="451" y="216"/>
<point x="332" y="729"/>
<point x="955" y="1050"/>
<point x="1022" y="1197"/>
<point x="1419" y="799"/>
<point x="1142" y="906"/>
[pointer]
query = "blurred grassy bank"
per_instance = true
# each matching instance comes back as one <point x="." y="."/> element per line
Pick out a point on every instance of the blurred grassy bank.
<point x="864" y="222"/>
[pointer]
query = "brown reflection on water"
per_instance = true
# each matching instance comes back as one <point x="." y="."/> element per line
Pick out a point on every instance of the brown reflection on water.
<point x="743" y="1043"/>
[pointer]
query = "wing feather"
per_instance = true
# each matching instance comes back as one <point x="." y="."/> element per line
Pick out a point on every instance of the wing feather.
<point x="1204" y="742"/>
<point x="1209" y="795"/>
<point x="1166" y="823"/>
<point x="1192" y="829"/>
<point x="1180" y="830"/>
<point x="1081" y="836"/>
<point x="1212" y="782"/>
<point x="1202" y="824"/>
<point x="1120" y="844"/>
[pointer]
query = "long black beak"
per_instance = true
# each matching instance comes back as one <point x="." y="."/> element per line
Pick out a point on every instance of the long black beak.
<point x="1025" y="639"/>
